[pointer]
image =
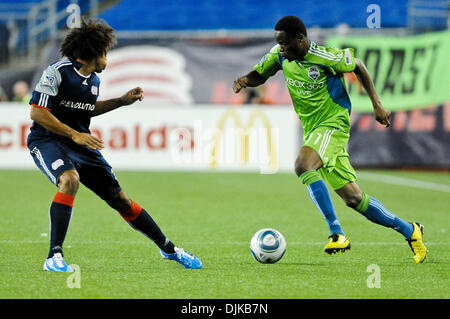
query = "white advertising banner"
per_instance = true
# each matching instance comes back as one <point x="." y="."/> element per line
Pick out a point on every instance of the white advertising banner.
<point x="200" y="137"/>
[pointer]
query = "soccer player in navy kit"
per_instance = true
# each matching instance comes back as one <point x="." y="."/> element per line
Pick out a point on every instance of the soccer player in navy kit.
<point x="62" y="146"/>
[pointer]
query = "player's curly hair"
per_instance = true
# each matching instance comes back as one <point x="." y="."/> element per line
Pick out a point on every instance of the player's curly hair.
<point x="89" y="41"/>
<point x="292" y="25"/>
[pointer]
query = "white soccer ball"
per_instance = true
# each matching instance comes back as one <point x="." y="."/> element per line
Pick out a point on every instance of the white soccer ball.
<point x="268" y="245"/>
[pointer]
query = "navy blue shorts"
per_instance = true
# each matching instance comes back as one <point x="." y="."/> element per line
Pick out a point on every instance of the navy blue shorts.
<point x="54" y="156"/>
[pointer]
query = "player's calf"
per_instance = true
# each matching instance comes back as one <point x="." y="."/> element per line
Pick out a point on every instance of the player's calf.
<point x="319" y="194"/>
<point x="122" y="203"/>
<point x="377" y="213"/>
<point x="60" y="214"/>
<point x="353" y="200"/>
<point x="351" y="194"/>
<point x="138" y="218"/>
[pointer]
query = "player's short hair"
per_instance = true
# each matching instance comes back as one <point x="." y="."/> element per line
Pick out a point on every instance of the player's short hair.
<point x="89" y="41"/>
<point x="292" y="25"/>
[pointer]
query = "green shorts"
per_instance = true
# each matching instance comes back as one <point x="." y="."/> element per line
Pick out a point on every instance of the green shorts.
<point x="330" y="143"/>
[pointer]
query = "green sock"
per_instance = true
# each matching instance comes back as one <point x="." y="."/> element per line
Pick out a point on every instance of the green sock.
<point x="362" y="206"/>
<point x="309" y="177"/>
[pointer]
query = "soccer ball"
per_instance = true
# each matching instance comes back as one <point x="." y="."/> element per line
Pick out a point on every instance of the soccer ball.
<point x="268" y="245"/>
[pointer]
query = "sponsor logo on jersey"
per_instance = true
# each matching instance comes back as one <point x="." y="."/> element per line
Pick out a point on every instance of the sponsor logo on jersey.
<point x="305" y="85"/>
<point x="78" y="105"/>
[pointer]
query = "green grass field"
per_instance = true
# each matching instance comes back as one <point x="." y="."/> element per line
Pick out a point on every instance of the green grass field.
<point x="214" y="215"/>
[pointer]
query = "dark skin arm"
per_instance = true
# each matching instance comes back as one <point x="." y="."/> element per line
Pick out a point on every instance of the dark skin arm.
<point x="252" y="79"/>
<point x="382" y="115"/>
<point x="53" y="125"/>
<point x="128" y="98"/>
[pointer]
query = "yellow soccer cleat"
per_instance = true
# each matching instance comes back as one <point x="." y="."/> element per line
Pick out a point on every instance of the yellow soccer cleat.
<point x="338" y="243"/>
<point x="416" y="243"/>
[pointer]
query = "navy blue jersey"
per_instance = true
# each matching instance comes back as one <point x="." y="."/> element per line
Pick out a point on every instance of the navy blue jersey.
<point x="69" y="95"/>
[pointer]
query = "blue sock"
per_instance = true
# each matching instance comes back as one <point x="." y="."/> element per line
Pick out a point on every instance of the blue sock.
<point x="318" y="192"/>
<point x="375" y="211"/>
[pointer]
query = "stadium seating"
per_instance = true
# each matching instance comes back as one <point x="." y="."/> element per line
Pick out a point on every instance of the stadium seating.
<point x="155" y="15"/>
<point x="245" y="14"/>
<point x="18" y="12"/>
<point x="238" y="14"/>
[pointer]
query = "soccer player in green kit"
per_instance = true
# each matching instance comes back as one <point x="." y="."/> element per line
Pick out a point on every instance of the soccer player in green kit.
<point x="314" y="76"/>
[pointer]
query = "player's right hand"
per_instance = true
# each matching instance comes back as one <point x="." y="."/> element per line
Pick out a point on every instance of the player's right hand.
<point x="382" y="115"/>
<point x="240" y="83"/>
<point x="88" y="140"/>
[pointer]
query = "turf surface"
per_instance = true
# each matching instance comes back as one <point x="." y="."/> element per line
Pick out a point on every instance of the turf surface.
<point x="214" y="215"/>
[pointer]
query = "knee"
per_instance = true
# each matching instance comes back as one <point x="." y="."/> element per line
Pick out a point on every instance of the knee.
<point x="69" y="182"/>
<point x="301" y="166"/>
<point x="298" y="167"/>
<point x="353" y="200"/>
<point x="307" y="160"/>
<point x="121" y="202"/>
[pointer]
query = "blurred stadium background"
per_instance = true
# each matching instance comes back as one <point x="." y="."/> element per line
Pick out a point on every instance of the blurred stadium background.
<point x="186" y="54"/>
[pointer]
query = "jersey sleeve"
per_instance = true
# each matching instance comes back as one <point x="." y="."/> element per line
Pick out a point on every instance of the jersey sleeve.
<point x="46" y="88"/>
<point x="347" y="62"/>
<point x="339" y="60"/>
<point x="269" y="63"/>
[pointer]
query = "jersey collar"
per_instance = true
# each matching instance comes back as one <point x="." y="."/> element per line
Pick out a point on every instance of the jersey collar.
<point x="76" y="66"/>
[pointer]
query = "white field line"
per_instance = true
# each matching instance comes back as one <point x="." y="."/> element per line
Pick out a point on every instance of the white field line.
<point x="145" y="242"/>
<point x="409" y="182"/>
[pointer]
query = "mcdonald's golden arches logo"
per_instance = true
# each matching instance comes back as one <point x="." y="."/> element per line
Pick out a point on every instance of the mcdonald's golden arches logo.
<point x="244" y="136"/>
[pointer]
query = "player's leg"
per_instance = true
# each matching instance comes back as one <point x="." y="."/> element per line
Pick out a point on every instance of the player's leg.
<point x="373" y="209"/>
<point x="306" y="166"/>
<point x="138" y="218"/>
<point x="327" y="143"/>
<point x="376" y="212"/>
<point x="61" y="209"/>
<point x="97" y="175"/>
<point x="53" y="162"/>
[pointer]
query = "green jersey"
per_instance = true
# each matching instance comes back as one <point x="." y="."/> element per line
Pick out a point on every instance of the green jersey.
<point x="316" y="84"/>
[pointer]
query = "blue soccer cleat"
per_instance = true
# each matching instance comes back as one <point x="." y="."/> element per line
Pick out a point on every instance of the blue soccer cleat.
<point x="185" y="258"/>
<point x="57" y="263"/>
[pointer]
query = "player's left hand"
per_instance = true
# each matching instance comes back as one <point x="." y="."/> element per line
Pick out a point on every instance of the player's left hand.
<point x="132" y="96"/>
<point x="240" y="83"/>
<point x="382" y="115"/>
